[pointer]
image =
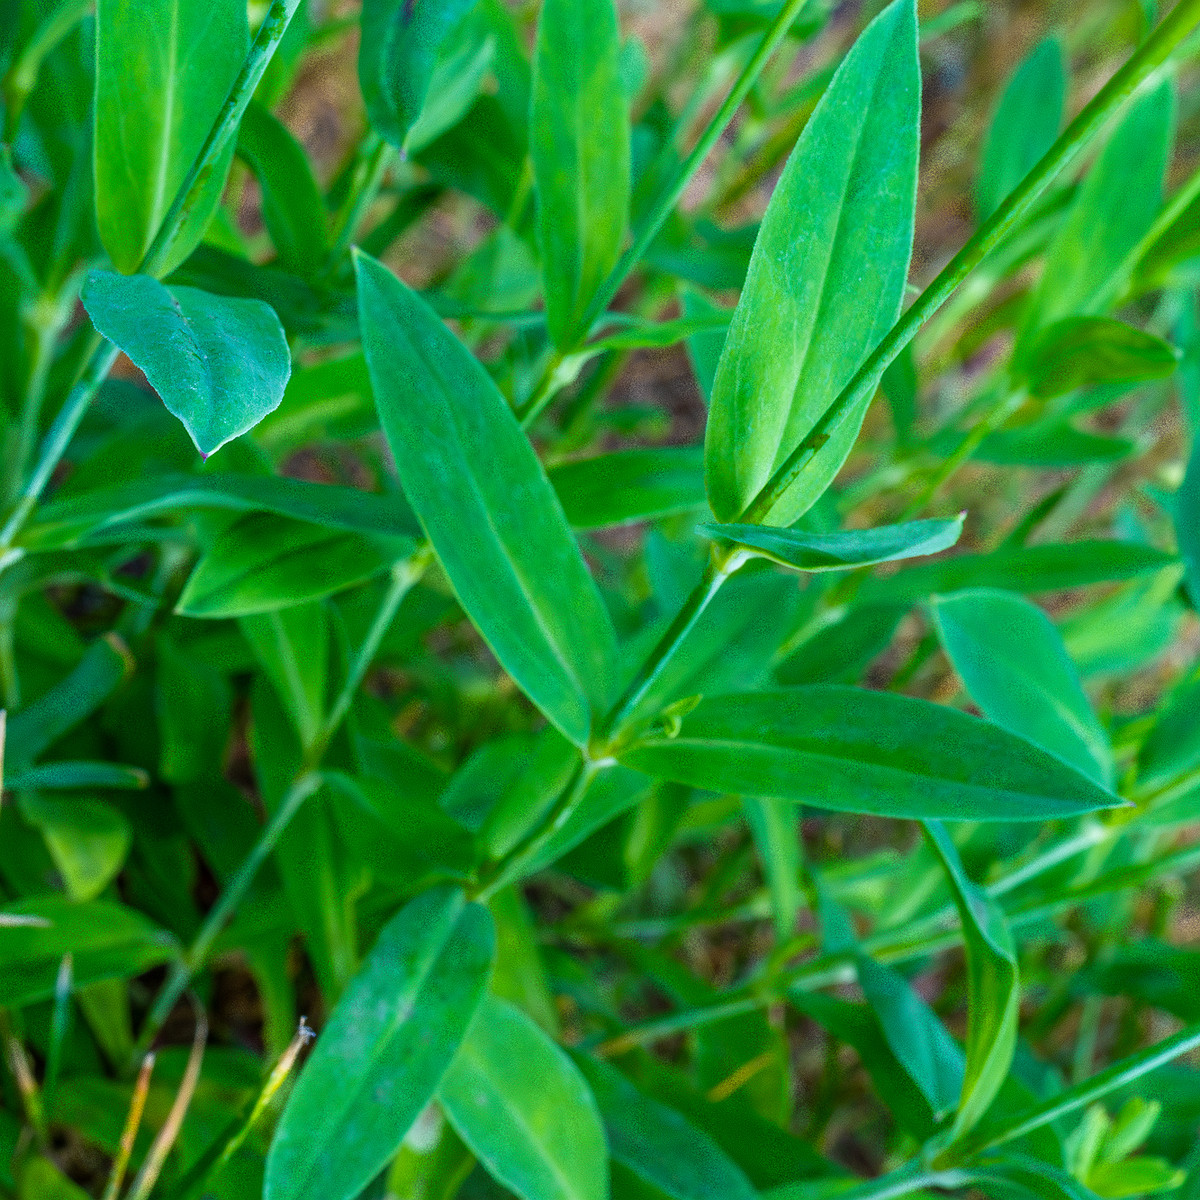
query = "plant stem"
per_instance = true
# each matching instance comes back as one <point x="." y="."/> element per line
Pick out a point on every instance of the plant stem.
<point x="22" y="76"/>
<point x="133" y="1119"/>
<point x="543" y="392"/>
<point x="1144" y="61"/>
<point x="1078" y="1096"/>
<point x="374" y="159"/>
<point x="669" y="196"/>
<point x="104" y="354"/>
<point x="405" y="575"/>
<point x="231" y="896"/>
<point x="721" y="564"/>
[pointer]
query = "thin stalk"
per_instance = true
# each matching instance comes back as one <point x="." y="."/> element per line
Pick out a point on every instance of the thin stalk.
<point x="214" y="1161"/>
<point x="231" y="896"/>
<point x="514" y="864"/>
<point x="133" y="1120"/>
<point x="721" y="565"/>
<point x="22" y="1073"/>
<point x="663" y="206"/>
<point x="1078" y="1096"/>
<point x="374" y="159"/>
<point x="22" y="76"/>
<point x="1094" y="116"/>
<point x="147" y="1177"/>
<point x="405" y="575"/>
<point x="669" y="196"/>
<point x="104" y="354"/>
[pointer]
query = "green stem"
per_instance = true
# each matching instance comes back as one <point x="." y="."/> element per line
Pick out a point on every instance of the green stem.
<point x="515" y="864"/>
<point x="374" y="159"/>
<point x="104" y="354"/>
<point x="721" y="565"/>
<point x="669" y="196"/>
<point x="22" y="76"/>
<point x="231" y="896"/>
<point x="1078" y="1096"/>
<point x="405" y="575"/>
<point x="1145" y="60"/>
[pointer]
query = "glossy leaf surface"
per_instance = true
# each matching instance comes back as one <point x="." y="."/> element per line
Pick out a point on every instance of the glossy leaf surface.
<point x="854" y="750"/>
<point x="536" y="1129"/>
<point x="827" y="274"/>
<point x="384" y="1050"/>
<point x="219" y="364"/>
<point x="486" y="505"/>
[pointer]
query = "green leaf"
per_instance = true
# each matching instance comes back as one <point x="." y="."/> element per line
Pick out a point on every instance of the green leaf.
<point x="852" y="750"/>
<point x="35" y="728"/>
<point x="219" y="364"/>
<point x="1186" y="514"/>
<point x="292" y="208"/>
<point x="264" y="562"/>
<point x="1051" y="443"/>
<point x="579" y="143"/>
<point x="292" y="647"/>
<point x="657" y="1144"/>
<point x="993" y="987"/>
<point x="775" y="827"/>
<point x="1012" y="661"/>
<point x="917" y="1038"/>
<point x="535" y="1129"/>
<point x="1113" y="209"/>
<point x="71" y="775"/>
<point x="194" y="706"/>
<point x="1024" y="126"/>
<point x="827" y="275"/>
<point x="486" y="505"/>
<point x="1028" y="569"/>
<point x="397" y="56"/>
<point x="1081" y="352"/>
<point x="40" y="1179"/>
<point x="87" y="839"/>
<point x="163" y="70"/>
<point x="627" y="486"/>
<point x="704" y="347"/>
<point x="106" y="939"/>
<point x="384" y="1050"/>
<point x="96" y="514"/>
<point x="840" y="551"/>
<point x="466" y="58"/>
<point x="1173" y="743"/>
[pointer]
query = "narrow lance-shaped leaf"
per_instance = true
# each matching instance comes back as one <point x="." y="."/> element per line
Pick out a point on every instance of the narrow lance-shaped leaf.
<point x="805" y="551"/>
<point x="579" y="144"/>
<point x="1114" y="207"/>
<point x="485" y="503"/>
<point x="397" y="55"/>
<point x="384" y="1050"/>
<point x="522" y="1106"/>
<point x="1024" y="126"/>
<point x="1081" y="352"/>
<point x="220" y="364"/>
<point x="163" y="71"/>
<point x="774" y="825"/>
<point x="659" y="1145"/>
<point x="854" y="750"/>
<point x="993" y="987"/>
<point x="827" y="275"/>
<point x="1015" y="667"/>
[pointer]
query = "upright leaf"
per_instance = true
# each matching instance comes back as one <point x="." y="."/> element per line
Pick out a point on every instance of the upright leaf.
<point x="1014" y="665"/>
<point x="163" y="71"/>
<point x="522" y="1106"/>
<point x="579" y="143"/>
<point x="486" y="505"/>
<point x="1081" y="352"/>
<point x="826" y="277"/>
<point x="659" y="1145"/>
<point x="774" y="825"/>
<point x="993" y="987"/>
<point x="220" y="364"/>
<point x="384" y="1050"/>
<point x="1114" y="207"/>
<point x="853" y="750"/>
<point x="292" y="208"/>
<point x="1024" y="125"/>
<point x="397" y="55"/>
